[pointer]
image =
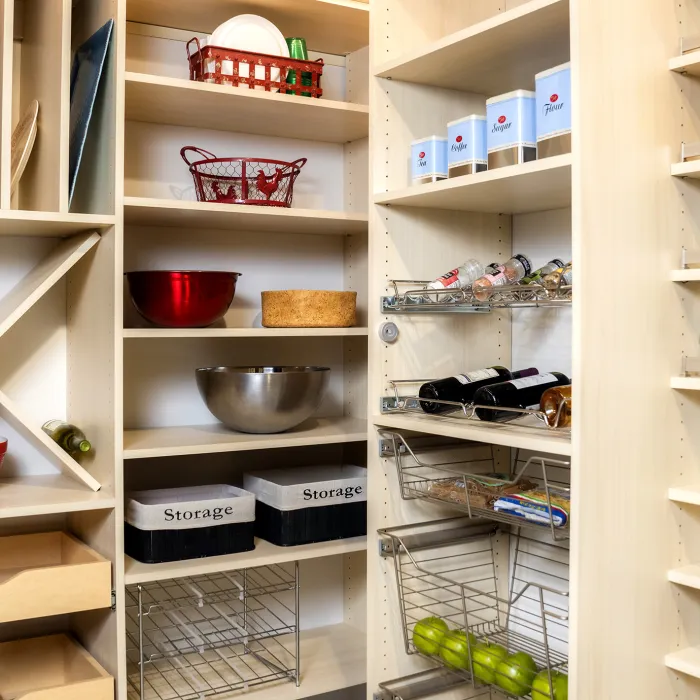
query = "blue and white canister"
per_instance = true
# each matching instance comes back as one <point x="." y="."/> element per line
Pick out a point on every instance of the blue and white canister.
<point x="553" y="89"/>
<point x="510" y="129"/>
<point x="466" y="145"/>
<point x="429" y="160"/>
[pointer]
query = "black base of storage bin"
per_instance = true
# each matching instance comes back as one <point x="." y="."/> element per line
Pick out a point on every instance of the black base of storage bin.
<point x="288" y="528"/>
<point x="157" y="546"/>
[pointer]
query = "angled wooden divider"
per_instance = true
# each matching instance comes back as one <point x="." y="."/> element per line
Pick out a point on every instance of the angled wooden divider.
<point x="23" y="424"/>
<point x="44" y="276"/>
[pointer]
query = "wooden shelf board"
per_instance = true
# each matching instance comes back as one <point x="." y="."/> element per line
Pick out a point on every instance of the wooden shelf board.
<point x="687" y="63"/>
<point x="688" y="275"/>
<point x="42" y="278"/>
<point x="685" y="494"/>
<point x="516" y="189"/>
<point x="151" y="98"/>
<point x="140" y="211"/>
<point x="264" y="554"/>
<point x="23" y="424"/>
<point x="44" y="224"/>
<point x="687" y="383"/>
<point x="243" y="332"/>
<point x="207" y="439"/>
<point x="500" y="54"/>
<point x="686" y="576"/>
<point x="330" y="26"/>
<point x="538" y="440"/>
<point x="689" y="168"/>
<point x="685" y="661"/>
<point x="44" y="495"/>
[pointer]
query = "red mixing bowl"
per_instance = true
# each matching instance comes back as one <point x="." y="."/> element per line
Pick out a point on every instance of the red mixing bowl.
<point x="3" y="448"/>
<point x="182" y="298"/>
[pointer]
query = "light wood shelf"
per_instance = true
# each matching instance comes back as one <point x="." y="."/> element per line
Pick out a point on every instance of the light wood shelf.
<point x="178" y="102"/>
<point x="688" y="63"/>
<point x="685" y="661"/>
<point x="207" y="439"/>
<point x="141" y="211"/>
<point x="244" y="332"/>
<point x="686" y="576"/>
<point x="42" y="224"/>
<point x="686" y="383"/>
<point x="689" y="275"/>
<point x="540" y="441"/>
<point x="502" y="53"/>
<point x="685" y="494"/>
<point x="42" y="278"/>
<point x="264" y="554"/>
<point x="48" y="494"/>
<point x="516" y="189"/>
<point x="329" y="26"/>
<point x="689" y="168"/>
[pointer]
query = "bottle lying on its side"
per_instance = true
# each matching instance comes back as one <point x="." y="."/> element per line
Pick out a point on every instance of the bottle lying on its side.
<point x="67" y="436"/>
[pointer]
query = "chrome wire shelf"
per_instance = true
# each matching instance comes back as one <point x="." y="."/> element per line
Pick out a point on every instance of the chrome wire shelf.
<point x="527" y="418"/>
<point x="203" y="636"/>
<point x="461" y="476"/>
<point x="450" y="569"/>
<point x="414" y="297"/>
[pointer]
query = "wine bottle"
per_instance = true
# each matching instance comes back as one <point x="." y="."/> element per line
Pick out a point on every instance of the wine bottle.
<point x="460" y="388"/>
<point x="550" y="404"/>
<point x="67" y="436"/>
<point x="525" y="392"/>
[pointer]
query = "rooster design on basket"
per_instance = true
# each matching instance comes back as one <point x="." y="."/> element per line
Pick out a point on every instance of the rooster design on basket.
<point x="268" y="186"/>
<point x="242" y="180"/>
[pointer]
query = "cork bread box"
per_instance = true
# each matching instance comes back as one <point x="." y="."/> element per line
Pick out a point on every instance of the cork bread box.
<point x="308" y="309"/>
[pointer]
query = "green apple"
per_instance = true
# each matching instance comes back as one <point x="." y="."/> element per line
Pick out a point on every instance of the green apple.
<point x="516" y="673"/>
<point x="428" y="634"/>
<point x="454" y="650"/>
<point x="542" y="691"/>
<point x="486" y="658"/>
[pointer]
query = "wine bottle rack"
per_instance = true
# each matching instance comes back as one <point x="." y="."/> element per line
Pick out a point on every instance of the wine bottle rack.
<point x="448" y="569"/>
<point x="414" y="297"/>
<point x="526" y="418"/>
<point x="458" y="477"/>
<point x="205" y="635"/>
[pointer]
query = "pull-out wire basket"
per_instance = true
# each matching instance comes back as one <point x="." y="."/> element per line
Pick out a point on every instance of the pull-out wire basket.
<point x="504" y="588"/>
<point x="256" y="181"/>
<point x="534" y="493"/>
<point x="427" y="684"/>
<point x="414" y="297"/>
<point x="203" y="636"/>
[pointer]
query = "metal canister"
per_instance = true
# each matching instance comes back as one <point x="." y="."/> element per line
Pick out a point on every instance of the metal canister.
<point x="298" y="51"/>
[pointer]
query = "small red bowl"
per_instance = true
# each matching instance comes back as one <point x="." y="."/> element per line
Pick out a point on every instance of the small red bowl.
<point x="3" y="448"/>
<point x="182" y="298"/>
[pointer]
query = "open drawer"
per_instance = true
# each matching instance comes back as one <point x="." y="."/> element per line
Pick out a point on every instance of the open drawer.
<point x="50" y="573"/>
<point x="51" y="668"/>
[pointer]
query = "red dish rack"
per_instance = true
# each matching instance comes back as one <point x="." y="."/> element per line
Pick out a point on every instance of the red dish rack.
<point x="207" y="65"/>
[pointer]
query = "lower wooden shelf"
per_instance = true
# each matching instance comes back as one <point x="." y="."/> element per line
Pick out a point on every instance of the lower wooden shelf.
<point x="685" y="494"/>
<point x="207" y="439"/>
<point x="51" y="668"/>
<point x="685" y="661"/>
<point x="686" y="576"/>
<point x="539" y="440"/>
<point x="264" y="554"/>
<point x="686" y="383"/>
<point x="44" y="495"/>
<point x="185" y="333"/>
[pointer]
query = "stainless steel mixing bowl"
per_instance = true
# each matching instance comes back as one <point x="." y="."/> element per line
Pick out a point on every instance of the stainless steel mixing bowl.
<point x="262" y="399"/>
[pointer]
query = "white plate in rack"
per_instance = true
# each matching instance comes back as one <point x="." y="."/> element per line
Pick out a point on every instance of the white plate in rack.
<point x="250" y="33"/>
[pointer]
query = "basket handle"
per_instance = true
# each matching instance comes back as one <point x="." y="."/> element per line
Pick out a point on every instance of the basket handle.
<point x="299" y="163"/>
<point x="199" y="151"/>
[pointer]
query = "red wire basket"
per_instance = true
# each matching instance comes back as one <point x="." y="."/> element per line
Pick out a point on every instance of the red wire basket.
<point x="266" y="183"/>
<point x="215" y="64"/>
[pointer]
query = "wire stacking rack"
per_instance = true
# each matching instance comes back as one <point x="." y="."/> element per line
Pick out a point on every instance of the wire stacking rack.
<point x="455" y="569"/>
<point x="203" y="636"/>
